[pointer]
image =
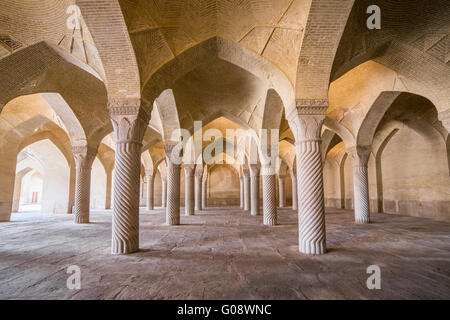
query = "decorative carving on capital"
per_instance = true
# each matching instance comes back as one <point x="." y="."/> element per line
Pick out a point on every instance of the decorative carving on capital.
<point x="359" y="156"/>
<point x="84" y="156"/>
<point x="306" y="127"/>
<point x="173" y="153"/>
<point x="444" y="117"/>
<point x="268" y="170"/>
<point x="254" y="169"/>
<point x="129" y="123"/>
<point x="189" y="170"/>
<point x="246" y="173"/>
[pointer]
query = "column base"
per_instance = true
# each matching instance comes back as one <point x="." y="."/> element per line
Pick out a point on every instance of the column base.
<point x="124" y="248"/>
<point x="362" y="220"/>
<point x="81" y="220"/>
<point x="270" y="221"/>
<point x="313" y="248"/>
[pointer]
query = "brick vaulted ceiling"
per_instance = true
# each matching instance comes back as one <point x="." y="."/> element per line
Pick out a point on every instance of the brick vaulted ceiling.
<point x="162" y="29"/>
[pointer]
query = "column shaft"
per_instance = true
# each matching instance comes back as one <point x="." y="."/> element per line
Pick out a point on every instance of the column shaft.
<point x="164" y="192"/>
<point x="361" y="189"/>
<point x="205" y="193"/>
<point x="173" y="193"/>
<point x="246" y="192"/>
<point x="281" y="193"/>
<point x="269" y="197"/>
<point x="150" y="185"/>
<point x="198" y="192"/>
<point x="360" y="158"/>
<point x="254" y="186"/>
<point x="241" y="192"/>
<point x="83" y="161"/>
<point x="189" y="197"/>
<point x="294" y="191"/>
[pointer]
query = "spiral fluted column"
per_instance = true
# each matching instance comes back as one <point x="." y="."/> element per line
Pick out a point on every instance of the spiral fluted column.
<point x="129" y="126"/>
<point x="269" y="196"/>
<point x="294" y="191"/>
<point x="241" y="192"/>
<point x="164" y="192"/>
<point x="84" y="157"/>
<point x="281" y="194"/>
<point x="198" y="190"/>
<point x="254" y="190"/>
<point x="189" y="197"/>
<point x="306" y="123"/>
<point x="173" y="187"/>
<point x="360" y="159"/>
<point x="150" y="186"/>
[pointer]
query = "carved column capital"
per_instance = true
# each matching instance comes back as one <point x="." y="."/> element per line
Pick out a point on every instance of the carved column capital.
<point x="359" y="156"/>
<point x="307" y="118"/>
<point x="173" y="153"/>
<point x="84" y="156"/>
<point x="189" y="170"/>
<point x="444" y="117"/>
<point x="129" y="122"/>
<point x="254" y="169"/>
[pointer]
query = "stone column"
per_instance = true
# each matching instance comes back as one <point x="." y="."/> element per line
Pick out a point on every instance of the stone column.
<point x="281" y="193"/>
<point x="306" y="123"/>
<point x="108" y="190"/>
<point x="360" y="158"/>
<point x="198" y="190"/>
<point x="189" y="192"/>
<point x="84" y="157"/>
<point x="254" y="188"/>
<point x="205" y="191"/>
<point x="241" y="192"/>
<point x="150" y="185"/>
<point x="269" y="196"/>
<point x="173" y="188"/>
<point x="129" y="124"/>
<point x="164" y="192"/>
<point x="246" y="189"/>
<point x="294" y="191"/>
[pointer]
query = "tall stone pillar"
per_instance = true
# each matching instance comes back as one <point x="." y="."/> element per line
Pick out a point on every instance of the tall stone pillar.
<point x="281" y="189"/>
<point x="294" y="190"/>
<point x="205" y="191"/>
<point x="150" y="185"/>
<point x="173" y="188"/>
<point x="164" y="192"/>
<point x="246" y="189"/>
<point x="241" y="192"/>
<point x="306" y="123"/>
<point x="130" y="123"/>
<point x="360" y="158"/>
<point x="108" y="190"/>
<point x="189" y="197"/>
<point x="84" y="157"/>
<point x="254" y="189"/>
<point x="269" y="196"/>
<point x="198" y="190"/>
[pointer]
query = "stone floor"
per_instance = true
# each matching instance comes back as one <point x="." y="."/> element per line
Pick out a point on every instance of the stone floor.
<point x="224" y="254"/>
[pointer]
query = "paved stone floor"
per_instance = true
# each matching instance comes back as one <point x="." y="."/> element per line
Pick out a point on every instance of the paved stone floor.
<point x="224" y="254"/>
